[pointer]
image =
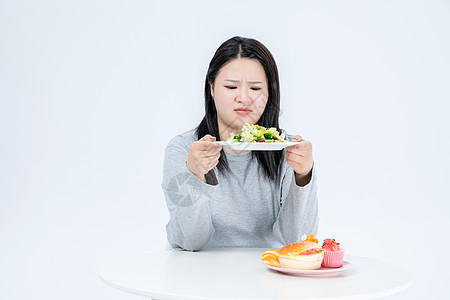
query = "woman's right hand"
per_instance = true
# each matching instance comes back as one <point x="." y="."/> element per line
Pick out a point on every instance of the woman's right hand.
<point x="203" y="156"/>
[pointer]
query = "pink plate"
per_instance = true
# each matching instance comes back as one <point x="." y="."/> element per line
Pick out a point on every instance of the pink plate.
<point x="322" y="271"/>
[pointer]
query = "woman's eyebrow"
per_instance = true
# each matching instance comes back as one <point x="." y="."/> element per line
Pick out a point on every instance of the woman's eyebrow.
<point x="236" y="81"/>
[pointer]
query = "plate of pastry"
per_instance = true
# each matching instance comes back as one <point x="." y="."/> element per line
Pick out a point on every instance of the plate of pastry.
<point x="307" y="258"/>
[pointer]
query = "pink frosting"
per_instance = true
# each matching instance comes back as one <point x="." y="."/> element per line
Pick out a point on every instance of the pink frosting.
<point x="331" y="245"/>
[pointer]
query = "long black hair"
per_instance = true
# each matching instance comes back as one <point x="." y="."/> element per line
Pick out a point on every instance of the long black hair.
<point x="240" y="47"/>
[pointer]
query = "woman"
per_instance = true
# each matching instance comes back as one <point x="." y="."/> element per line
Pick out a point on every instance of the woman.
<point x="218" y="197"/>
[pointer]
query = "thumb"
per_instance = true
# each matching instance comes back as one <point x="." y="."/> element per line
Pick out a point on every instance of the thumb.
<point x="207" y="138"/>
<point x="297" y="138"/>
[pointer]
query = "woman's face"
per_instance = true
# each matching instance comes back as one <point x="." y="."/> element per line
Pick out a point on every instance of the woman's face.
<point x="240" y="94"/>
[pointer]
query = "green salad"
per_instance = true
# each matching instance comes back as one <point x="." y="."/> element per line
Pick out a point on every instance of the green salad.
<point x="257" y="134"/>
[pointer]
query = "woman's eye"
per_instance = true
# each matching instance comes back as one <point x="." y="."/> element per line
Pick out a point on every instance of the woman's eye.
<point x="255" y="88"/>
<point x="231" y="87"/>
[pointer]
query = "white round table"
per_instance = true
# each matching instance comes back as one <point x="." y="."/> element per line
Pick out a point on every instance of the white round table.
<point x="238" y="273"/>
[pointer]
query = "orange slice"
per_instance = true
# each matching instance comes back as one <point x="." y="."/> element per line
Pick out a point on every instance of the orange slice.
<point x="271" y="258"/>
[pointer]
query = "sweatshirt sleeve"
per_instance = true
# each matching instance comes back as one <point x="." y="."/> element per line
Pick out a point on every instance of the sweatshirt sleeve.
<point x="298" y="214"/>
<point x="188" y="201"/>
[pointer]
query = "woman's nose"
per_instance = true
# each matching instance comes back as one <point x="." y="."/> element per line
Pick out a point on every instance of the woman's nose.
<point x="244" y="97"/>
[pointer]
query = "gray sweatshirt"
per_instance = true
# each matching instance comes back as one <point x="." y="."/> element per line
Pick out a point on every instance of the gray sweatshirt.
<point x="244" y="209"/>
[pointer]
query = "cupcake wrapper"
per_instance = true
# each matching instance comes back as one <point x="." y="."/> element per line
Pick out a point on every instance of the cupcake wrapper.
<point x="333" y="259"/>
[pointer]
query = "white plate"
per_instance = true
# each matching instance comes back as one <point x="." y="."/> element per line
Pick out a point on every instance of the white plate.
<point x="257" y="146"/>
<point x="322" y="271"/>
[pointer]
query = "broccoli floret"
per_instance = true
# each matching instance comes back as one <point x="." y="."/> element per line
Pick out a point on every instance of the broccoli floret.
<point x="268" y="135"/>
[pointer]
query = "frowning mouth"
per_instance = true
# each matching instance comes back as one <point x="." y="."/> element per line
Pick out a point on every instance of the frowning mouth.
<point x="243" y="111"/>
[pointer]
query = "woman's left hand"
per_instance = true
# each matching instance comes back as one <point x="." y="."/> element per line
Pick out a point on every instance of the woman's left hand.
<point x="299" y="157"/>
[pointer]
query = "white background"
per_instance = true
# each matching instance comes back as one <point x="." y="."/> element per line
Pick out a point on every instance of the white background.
<point x="92" y="91"/>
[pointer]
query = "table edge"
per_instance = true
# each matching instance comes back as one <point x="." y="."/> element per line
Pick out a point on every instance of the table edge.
<point x="181" y="297"/>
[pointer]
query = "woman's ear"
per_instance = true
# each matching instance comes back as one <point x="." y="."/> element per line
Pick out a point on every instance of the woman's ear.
<point x="211" y="87"/>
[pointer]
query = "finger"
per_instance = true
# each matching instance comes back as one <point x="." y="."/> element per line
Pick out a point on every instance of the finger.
<point x="295" y="157"/>
<point x="208" y="145"/>
<point x="210" y="149"/>
<point x="206" y="154"/>
<point x="209" y="163"/>
<point x="298" y="148"/>
<point x="295" y="152"/>
<point x="297" y="138"/>
<point x="209" y="153"/>
<point x="212" y="159"/>
<point x="294" y="163"/>
<point x="304" y="145"/>
<point x="214" y="163"/>
<point x="301" y="147"/>
<point x="296" y="160"/>
<point x="207" y="138"/>
<point x="206" y="160"/>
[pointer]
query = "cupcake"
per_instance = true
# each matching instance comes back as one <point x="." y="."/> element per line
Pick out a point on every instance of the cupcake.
<point x="334" y="255"/>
